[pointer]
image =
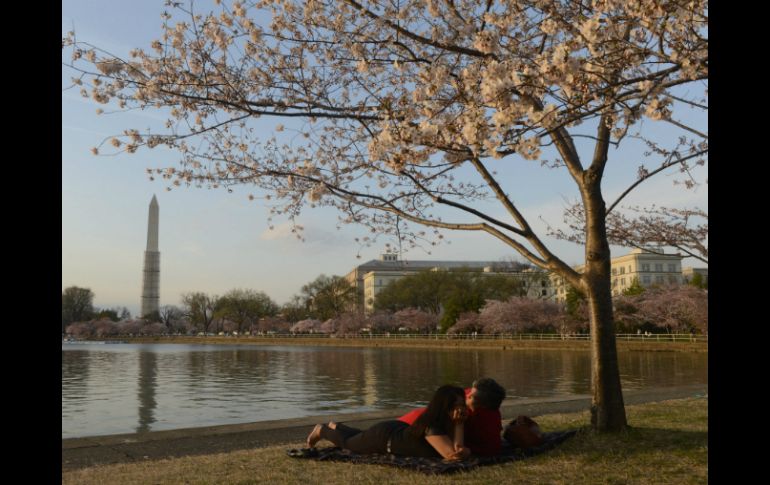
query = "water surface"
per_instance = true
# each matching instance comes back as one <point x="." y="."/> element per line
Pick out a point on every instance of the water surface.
<point x="125" y="388"/>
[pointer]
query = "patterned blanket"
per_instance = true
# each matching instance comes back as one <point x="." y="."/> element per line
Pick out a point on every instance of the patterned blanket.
<point x="433" y="466"/>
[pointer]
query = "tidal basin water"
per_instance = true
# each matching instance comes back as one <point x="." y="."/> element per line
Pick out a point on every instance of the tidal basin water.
<point x="126" y="388"/>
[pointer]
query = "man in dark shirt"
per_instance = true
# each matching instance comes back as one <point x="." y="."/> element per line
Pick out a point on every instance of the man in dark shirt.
<point x="484" y="423"/>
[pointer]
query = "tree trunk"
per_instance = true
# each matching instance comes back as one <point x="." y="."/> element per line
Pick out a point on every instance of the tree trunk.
<point x="607" y="410"/>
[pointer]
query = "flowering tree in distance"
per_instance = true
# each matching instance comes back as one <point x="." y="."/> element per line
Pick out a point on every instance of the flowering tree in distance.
<point x="413" y="112"/>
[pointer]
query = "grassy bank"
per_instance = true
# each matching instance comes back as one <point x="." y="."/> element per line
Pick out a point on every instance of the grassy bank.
<point x="668" y="443"/>
<point x="428" y="343"/>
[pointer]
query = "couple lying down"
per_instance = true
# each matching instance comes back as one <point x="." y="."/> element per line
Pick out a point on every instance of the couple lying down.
<point x="456" y="424"/>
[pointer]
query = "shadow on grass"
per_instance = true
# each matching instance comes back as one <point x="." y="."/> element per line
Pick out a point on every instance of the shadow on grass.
<point x="635" y="440"/>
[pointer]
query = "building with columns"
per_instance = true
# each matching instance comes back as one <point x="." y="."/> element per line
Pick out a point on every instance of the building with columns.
<point x="689" y="273"/>
<point x="374" y="275"/>
<point x="649" y="267"/>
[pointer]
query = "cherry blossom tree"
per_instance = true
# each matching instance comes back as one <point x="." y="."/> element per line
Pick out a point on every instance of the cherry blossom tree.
<point x="685" y="230"/>
<point x="131" y="327"/>
<point x="80" y="329"/>
<point x="381" y="321"/>
<point x="518" y="314"/>
<point x="153" y="328"/>
<point x="104" y="327"/>
<point x="182" y="326"/>
<point x="347" y="323"/>
<point x="328" y="326"/>
<point x="496" y="317"/>
<point x="309" y="325"/>
<point x="467" y="322"/>
<point x="679" y="309"/>
<point x="274" y="324"/>
<point x="407" y="116"/>
<point x="416" y="320"/>
<point x="627" y="317"/>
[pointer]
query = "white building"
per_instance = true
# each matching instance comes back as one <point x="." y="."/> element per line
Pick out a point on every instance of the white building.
<point x="371" y="277"/>
<point x="648" y="267"/>
<point x="689" y="272"/>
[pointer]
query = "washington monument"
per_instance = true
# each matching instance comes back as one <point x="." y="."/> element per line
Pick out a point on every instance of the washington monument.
<point x="151" y="281"/>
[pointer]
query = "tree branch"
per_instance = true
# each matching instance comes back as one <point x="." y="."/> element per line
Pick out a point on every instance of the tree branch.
<point x="650" y="174"/>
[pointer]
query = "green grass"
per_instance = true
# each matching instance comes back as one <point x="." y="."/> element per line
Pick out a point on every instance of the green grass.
<point x="667" y="444"/>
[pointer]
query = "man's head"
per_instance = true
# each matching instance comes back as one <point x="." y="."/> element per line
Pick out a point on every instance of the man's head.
<point x="486" y="393"/>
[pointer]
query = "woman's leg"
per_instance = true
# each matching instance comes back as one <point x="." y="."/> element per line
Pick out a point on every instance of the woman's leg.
<point x="314" y="436"/>
<point x="373" y="440"/>
<point x="346" y="430"/>
<point x="337" y="435"/>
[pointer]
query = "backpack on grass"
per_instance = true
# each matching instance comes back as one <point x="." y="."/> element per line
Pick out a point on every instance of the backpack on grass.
<point x="523" y="432"/>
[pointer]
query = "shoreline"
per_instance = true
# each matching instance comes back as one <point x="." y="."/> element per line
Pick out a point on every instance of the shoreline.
<point x="425" y="342"/>
<point x="90" y="451"/>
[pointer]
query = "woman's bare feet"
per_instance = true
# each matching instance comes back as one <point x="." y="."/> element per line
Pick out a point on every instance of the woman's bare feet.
<point x="314" y="436"/>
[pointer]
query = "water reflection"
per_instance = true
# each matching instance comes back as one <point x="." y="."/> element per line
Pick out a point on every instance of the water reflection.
<point x="370" y="395"/>
<point x="147" y="371"/>
<point x="74" y="374"/>
<point x="110" y="389"/>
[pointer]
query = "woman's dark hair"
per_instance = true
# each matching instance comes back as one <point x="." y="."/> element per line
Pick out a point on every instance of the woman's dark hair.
<point x="438" y="413"/>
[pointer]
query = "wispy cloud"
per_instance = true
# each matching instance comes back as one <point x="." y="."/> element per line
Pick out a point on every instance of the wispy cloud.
<point x="279" y="232"/>
<point x="193" y="248"/>
<point x="311" y="233"/>
<point x="316" y="239"/>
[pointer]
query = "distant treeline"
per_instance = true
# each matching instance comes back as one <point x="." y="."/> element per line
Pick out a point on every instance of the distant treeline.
<point x="428" y="302"/>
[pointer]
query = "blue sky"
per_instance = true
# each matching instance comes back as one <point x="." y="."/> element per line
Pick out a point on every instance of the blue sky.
<point x="213" y="241"/>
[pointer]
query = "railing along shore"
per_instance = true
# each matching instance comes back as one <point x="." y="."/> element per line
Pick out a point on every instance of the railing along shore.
<point x="652" y="337"/>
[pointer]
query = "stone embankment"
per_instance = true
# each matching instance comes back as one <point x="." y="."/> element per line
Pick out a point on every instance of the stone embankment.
<point x="650" y="344"/>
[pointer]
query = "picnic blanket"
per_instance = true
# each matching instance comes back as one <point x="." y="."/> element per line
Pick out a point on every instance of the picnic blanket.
<point x="433" y="466"/>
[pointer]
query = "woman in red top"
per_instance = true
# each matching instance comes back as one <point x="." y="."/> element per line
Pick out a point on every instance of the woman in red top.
<point x="484" y="422"/>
